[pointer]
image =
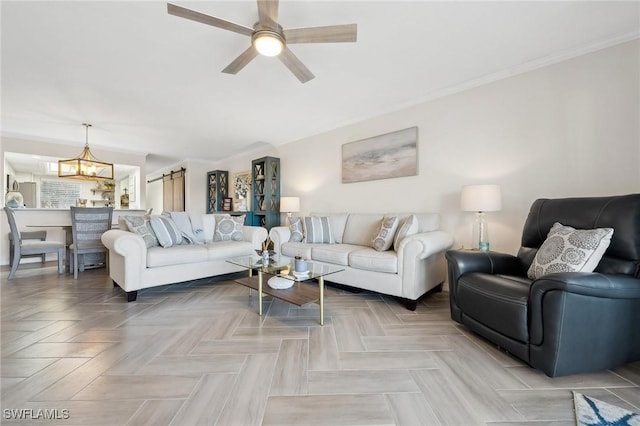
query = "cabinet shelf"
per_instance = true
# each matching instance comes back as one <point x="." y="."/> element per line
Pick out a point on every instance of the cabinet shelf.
<point x="217" y="190"/>
<point x="265" y="203"/>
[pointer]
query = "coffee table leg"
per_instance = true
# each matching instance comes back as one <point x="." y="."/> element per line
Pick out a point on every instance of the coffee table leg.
<point x="250" y="275"/>
<point x="260" y="292"/>
<point x="321" y="284"/>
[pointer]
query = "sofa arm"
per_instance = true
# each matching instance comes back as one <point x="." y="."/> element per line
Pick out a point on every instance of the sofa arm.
<point x="125" y="243"/>
<point x="423" y="245"/>
<point x="279" y="235"/>
<point x="421" y="262"/>
<point x="255" y="235"/>
<point x="127" y="258"/>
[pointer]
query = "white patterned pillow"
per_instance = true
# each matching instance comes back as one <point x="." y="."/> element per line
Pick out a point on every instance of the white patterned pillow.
<point x="383" y="240"/>
<point x="166" y="230"/>
<point x="409" y="227"/>
<point x="228" y="228"/>
<point x="140" y="225"/>
<point x="570" y="250"/>
<point x="317" y="229"/>
<point x="295" y="226"/>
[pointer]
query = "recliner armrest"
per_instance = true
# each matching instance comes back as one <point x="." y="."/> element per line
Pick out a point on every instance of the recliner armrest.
<point x="588" y="284"/>
<point x="483" y="261"/>
<point x="585" y="292"/>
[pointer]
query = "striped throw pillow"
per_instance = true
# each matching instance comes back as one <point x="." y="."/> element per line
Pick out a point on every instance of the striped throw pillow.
<point x="166" y="231"/>
<point x="317" y="230"/>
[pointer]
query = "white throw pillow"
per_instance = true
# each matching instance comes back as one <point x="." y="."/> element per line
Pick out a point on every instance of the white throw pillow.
<point x="383" y="240"/>
<point x="570" y="250"/>
<point x="228" y="228"/>
<point x="166" y="231"/>
<point x="409" y="227"/>
<point x="209" y="226"/>
<point x="317" y="229"/>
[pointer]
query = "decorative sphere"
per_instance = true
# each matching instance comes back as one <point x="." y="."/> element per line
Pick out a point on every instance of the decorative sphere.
<point x="14" y="199"/>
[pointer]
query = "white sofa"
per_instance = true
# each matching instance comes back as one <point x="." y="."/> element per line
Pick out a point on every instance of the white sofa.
<point x="133" y="266"/>
<point x="416" y="267"/>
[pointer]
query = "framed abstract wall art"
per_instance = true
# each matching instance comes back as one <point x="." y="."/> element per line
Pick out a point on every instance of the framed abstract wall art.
<point x="385" y="156"/>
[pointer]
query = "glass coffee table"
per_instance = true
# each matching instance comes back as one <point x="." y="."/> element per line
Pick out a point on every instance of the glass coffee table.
<point x="303" y="290"/>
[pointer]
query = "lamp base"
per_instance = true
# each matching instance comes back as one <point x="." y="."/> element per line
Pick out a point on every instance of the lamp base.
<point x="481" y="232"/>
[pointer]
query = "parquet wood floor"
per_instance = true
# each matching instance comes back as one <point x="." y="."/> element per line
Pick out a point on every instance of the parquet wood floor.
<point x="197" y="353"/>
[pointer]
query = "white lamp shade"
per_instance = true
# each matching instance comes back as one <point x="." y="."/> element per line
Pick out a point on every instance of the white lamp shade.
<point x="481" y="198"/>
<point x="289" y="204"/>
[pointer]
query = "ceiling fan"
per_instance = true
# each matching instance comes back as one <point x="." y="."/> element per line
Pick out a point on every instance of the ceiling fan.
<point x="268" y="38"/>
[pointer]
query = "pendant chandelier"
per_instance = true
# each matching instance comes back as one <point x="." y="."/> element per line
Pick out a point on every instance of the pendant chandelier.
<point x="85" y="166"/>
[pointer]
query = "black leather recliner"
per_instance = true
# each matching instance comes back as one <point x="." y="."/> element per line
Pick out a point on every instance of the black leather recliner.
<point x="561" y="323"/>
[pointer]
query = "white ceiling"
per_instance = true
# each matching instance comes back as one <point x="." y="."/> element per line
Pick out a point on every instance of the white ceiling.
<point x="150" y="82"/>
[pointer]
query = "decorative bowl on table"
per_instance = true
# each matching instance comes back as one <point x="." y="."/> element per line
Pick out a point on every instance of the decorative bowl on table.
<point x="279" y="283"/>
<point x="271" y="252"/>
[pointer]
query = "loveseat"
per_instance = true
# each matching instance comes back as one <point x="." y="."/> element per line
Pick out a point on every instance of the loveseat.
<point x="544" y="305"/>
<point x="412" y="266"/>
<point x="134" y="266"/>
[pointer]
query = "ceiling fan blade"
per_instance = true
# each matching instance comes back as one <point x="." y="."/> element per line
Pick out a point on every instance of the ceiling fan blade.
<point x="268" y="13"/>
<point x="182" y="12"/>
<point x="241" y="61"/>
<point x="294" y="64"/>
<point x="330" y="34"/>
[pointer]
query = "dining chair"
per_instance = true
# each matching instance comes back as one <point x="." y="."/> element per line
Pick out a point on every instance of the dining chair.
<point x="87" y="226"/>
<point x="23" y="247"/>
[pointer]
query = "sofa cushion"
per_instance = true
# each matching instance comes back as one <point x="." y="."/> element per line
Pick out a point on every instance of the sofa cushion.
<point x="361" y="228"/>
<point x="497" y="301"/>
<point x="338" y="222"/>
<point x="337" y="254"/>
<point x="373" y="260"/>
<point x="296" y="249"/>
<point x="228" y="228"/>
<point x="383" y="240"/>
<point x="166" y="231"/>
<point x="570" y="250"/>
<point x="408" y="227"/>
<point x="228" y="249"/>
<point x="296" y="229"/>
<point x="317" y="229"/>
<point x="176" y="255"/>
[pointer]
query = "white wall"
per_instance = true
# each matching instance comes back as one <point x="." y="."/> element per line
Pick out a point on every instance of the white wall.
<point x="570" y="129"/>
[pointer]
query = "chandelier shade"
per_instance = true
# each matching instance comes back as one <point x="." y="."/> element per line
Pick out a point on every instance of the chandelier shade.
<point x="85" y="166"/>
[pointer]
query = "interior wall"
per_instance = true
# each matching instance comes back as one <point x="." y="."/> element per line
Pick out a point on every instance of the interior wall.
<point x="566" y="130"/>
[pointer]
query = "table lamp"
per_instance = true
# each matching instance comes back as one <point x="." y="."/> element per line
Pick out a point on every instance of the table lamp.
<point x="481" y="199"/>
<point x="289" y="205"/>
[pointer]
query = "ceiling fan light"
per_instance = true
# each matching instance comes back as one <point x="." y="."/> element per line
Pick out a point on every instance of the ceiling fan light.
<point x="268" y="44"/>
